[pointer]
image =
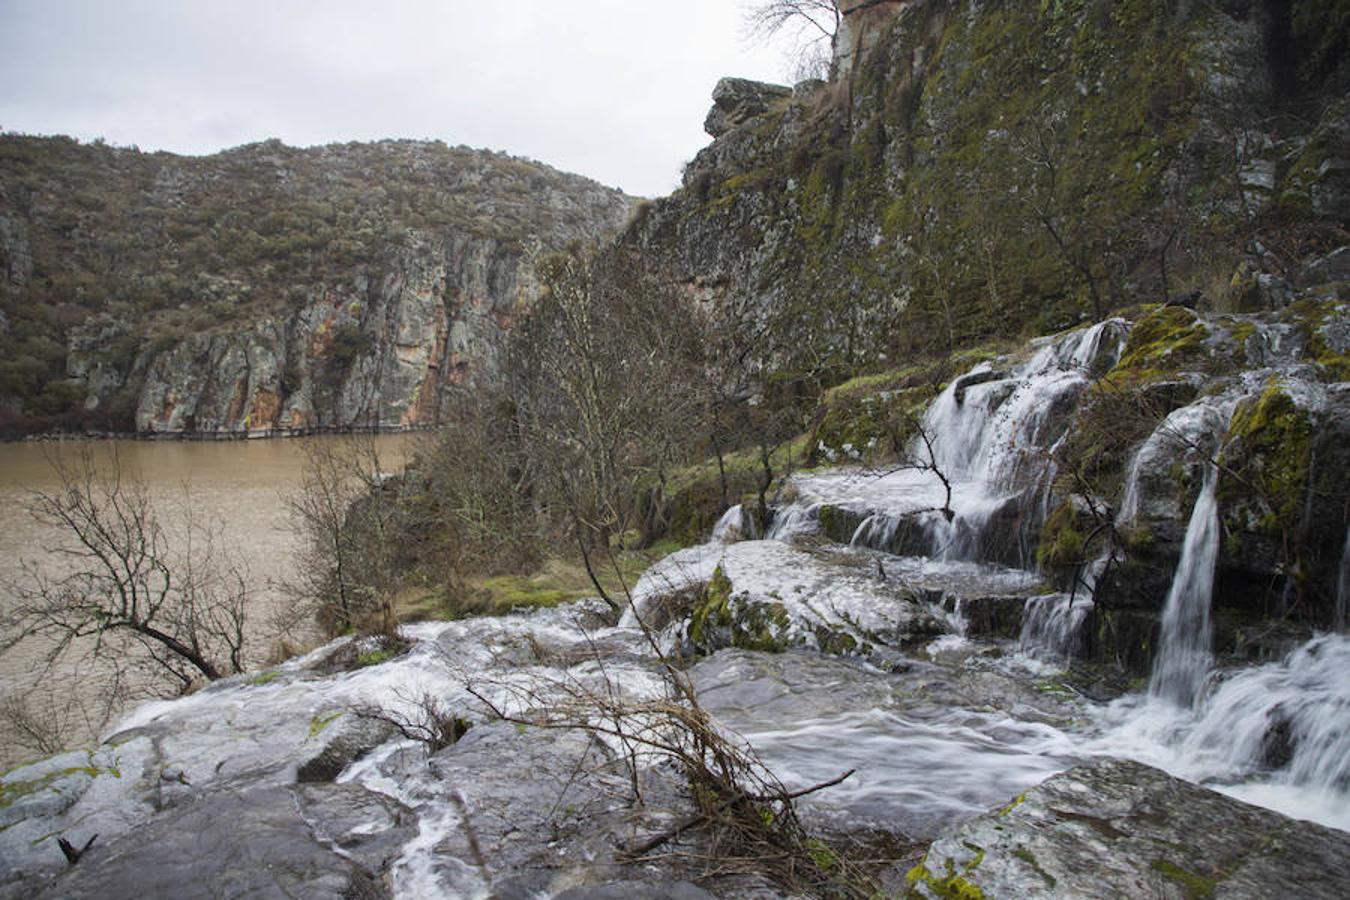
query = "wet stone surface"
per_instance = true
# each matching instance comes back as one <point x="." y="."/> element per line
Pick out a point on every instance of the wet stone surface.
<point x="252" y="843"/>
<point x="1122" y="829"/>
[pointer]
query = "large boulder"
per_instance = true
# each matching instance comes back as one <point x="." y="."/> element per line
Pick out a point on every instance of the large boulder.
<point x="1122" y="829"/>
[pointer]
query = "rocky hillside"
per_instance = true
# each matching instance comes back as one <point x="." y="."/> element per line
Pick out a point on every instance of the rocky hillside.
<point x="988" y="168"/>
<point x="266" y="288"/>
<point x="975" y="172"/>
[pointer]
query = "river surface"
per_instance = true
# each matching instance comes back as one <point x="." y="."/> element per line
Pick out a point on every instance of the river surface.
<point x="240" y="486"/>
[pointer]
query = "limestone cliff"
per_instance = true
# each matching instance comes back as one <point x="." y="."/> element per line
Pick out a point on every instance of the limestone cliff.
<point x="267" y="288"/>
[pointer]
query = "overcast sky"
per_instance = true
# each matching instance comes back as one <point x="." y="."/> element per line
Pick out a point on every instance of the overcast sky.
<point x="613" y="89"/>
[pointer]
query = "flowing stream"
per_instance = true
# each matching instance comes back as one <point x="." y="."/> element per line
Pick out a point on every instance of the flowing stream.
<point x="940" y="716"/>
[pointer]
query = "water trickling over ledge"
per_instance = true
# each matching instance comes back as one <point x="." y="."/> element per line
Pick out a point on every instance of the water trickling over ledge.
<point x="1184" y="656"/>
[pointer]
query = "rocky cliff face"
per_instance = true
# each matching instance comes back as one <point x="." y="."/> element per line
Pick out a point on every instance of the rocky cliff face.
<point x="268" y="289"/>
<point x="375" y="353"/>
<point x="980" y="169"/>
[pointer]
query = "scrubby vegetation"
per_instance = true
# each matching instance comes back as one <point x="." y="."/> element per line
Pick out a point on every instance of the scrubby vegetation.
<point x="132" y="251"/>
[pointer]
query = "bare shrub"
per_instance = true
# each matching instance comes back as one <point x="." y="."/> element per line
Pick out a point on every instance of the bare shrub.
<point x="423" y="717"/>
<point x="124" y="593"/>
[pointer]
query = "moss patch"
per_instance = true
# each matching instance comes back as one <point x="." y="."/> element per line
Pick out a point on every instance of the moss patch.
<point x="952" y="885"/>
<point x="712" y="610"/>
<point x="12" y="791"/>
<point x="318" y="723"/>
<point x="1162" y="343"/>
<point x="1029" y="858"/>
<point x="1197" y="887"/>
<point x="1269" y="455"/>
<point x="1017" y="801"/>
<point x="719" y="619"/>
<point x="1062" y="539"/>
<point x="1318" y="320"/>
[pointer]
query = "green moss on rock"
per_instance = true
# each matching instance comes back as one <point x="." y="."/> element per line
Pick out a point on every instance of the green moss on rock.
<point x="12" y="791"/>
<point x="1197" y="887"/>
<point x="1268" y="457"/>
<point x="1164" y="342"/>
<point x="712" y="610"/>
<point x="1061" y="539"/>
<point x="722" y="619"/>
<point x="950" y="886"/>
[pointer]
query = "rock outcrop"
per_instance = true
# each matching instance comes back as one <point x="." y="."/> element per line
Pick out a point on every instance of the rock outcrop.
<point x="1122" y="829"/>
<point x="737" y="100"/>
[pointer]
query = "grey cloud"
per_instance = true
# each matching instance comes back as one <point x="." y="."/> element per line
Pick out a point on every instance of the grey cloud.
<point x="614" y="89"/>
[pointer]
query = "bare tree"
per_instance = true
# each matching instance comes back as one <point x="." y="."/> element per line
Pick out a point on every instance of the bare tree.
<point x="603" y="370"/>
<point x="123" y="592"/>
<point x="421" y="717"/>
<point x="44" y="723"/>
<point x="737" y="801"/>
<point x="811" y="25"/>
<point x="342" y="519"/>
<point x="480" y="517"/>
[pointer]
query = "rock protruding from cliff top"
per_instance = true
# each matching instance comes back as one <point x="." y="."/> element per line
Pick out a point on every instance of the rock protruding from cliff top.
<point x="1121" y="829"/>
<point x="736" y="100"/>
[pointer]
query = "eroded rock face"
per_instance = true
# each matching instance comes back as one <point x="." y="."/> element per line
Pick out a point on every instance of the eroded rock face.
<point x="1122" y="829"/>
<point x="377" y="353"/>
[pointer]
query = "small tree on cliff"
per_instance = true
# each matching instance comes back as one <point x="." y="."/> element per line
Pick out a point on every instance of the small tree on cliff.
<point x="122" y="593"/>
<point x="810" y="24"/>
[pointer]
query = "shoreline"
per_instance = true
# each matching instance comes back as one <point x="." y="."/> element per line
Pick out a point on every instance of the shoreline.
<point x="254" y="434"/>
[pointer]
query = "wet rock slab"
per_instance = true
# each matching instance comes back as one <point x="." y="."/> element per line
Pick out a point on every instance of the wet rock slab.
<point x="263" y="842"/>
<point x="931" y="746"/>
<point x="1123" y="829"/>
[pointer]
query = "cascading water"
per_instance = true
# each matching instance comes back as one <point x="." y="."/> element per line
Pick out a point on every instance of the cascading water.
<point x="1052" y="626"/>
<point x="991" y="437"/>
<point x="792" y="521"/>
<point x="1275" y="735"/>
<point x="1183" y="656"/>
<point x="730" y="526"/>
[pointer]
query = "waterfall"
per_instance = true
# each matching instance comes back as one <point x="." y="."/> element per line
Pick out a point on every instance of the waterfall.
<point x="730" y="527"/>
<point x="1129" y="500"/>
<point x="1183" y="655"/>
<point x="793" y="520"/>
<point x="1274" y="735"/>
<point x="876" y="531"/>
<point x="1288" y="716"/>
<point x="1051" y="626"/>
<point x="990" y="433"/>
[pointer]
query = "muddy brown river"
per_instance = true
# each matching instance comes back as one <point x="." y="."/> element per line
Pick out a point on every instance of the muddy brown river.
<point x="240" y="485"/>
